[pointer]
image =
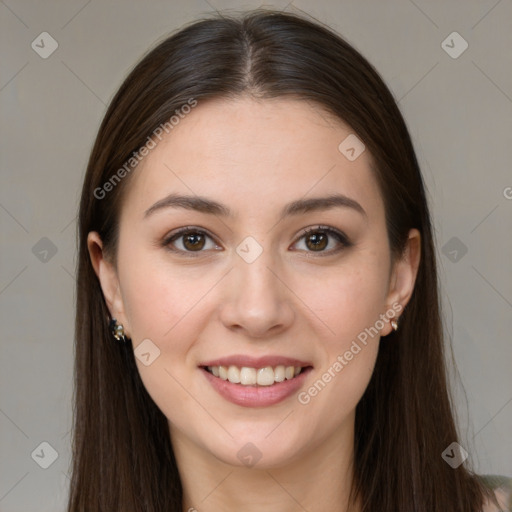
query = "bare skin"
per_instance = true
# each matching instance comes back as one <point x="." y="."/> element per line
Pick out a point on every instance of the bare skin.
<point x="296" y="299"/>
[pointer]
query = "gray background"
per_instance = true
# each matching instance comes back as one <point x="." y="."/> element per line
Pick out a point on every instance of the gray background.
<point x="458" y="111"/>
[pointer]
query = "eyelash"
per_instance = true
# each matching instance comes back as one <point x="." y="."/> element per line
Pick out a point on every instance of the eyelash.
<point x="338" y="235"/>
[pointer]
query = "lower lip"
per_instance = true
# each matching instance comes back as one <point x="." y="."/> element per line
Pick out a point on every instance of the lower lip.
<point x="256" y="396"/>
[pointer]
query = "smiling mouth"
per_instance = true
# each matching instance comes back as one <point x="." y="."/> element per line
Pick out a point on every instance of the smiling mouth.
<point x="247" y="376"/>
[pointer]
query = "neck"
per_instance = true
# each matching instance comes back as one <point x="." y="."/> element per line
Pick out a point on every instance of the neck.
<point x="318" y="480"/>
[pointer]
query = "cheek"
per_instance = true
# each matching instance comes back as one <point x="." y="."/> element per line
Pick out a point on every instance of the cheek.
<point x="349" y="303"/>
<point x="350" y="307"/>
<point x="164" y="306"/>
<point x="348" y="299"/>
<point x="157" y="296"/>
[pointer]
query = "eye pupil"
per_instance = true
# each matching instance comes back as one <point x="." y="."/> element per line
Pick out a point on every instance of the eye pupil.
<point x="319" y="240"/>
<point x="193" y="239"/>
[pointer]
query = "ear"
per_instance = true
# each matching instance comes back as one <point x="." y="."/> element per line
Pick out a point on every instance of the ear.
<point x="403" y="277"/>
<point x="107" y="276"/>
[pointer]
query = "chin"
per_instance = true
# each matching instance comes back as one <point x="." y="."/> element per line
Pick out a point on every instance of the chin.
<point x="256" y="451"/>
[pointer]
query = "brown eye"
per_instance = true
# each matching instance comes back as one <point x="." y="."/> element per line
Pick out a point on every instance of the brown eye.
<point x="318" y="239"/>
<point x="194" y="241"/>
<point x="189" y="240"/>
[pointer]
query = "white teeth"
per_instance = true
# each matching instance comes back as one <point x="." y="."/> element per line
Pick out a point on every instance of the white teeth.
<point x="234" y="375"/>
<point x="279" y="373"/>
<point x="247" y="376"/>
<point x="223" y="372"/>
<point x="266" y="376"/>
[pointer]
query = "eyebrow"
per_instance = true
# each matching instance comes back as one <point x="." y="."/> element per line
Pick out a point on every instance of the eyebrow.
<point x="209" y="206"/>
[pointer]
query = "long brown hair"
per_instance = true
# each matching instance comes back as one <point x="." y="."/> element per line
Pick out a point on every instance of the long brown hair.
<point x="122" y="454"/>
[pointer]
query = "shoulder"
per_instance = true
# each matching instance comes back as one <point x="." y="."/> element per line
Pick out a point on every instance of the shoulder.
<point x="502" y="487"/>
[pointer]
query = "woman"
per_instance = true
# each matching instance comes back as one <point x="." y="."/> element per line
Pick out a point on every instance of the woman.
<point x="258" y="324"/>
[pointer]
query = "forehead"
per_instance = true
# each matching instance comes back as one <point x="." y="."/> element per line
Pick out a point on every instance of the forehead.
<point x="254" y="155"/>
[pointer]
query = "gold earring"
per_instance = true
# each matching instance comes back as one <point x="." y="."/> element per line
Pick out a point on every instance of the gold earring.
<point x="117" y="330"/>
<point x="394" y="324"/>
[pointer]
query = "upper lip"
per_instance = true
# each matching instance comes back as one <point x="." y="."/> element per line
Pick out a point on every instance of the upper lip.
<point x="256" y="362"/>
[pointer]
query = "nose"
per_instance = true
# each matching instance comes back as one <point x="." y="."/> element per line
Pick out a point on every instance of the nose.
<point x="259" y="304"/>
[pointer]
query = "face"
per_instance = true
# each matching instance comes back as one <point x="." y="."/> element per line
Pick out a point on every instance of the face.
<point x="269" y="283"/>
